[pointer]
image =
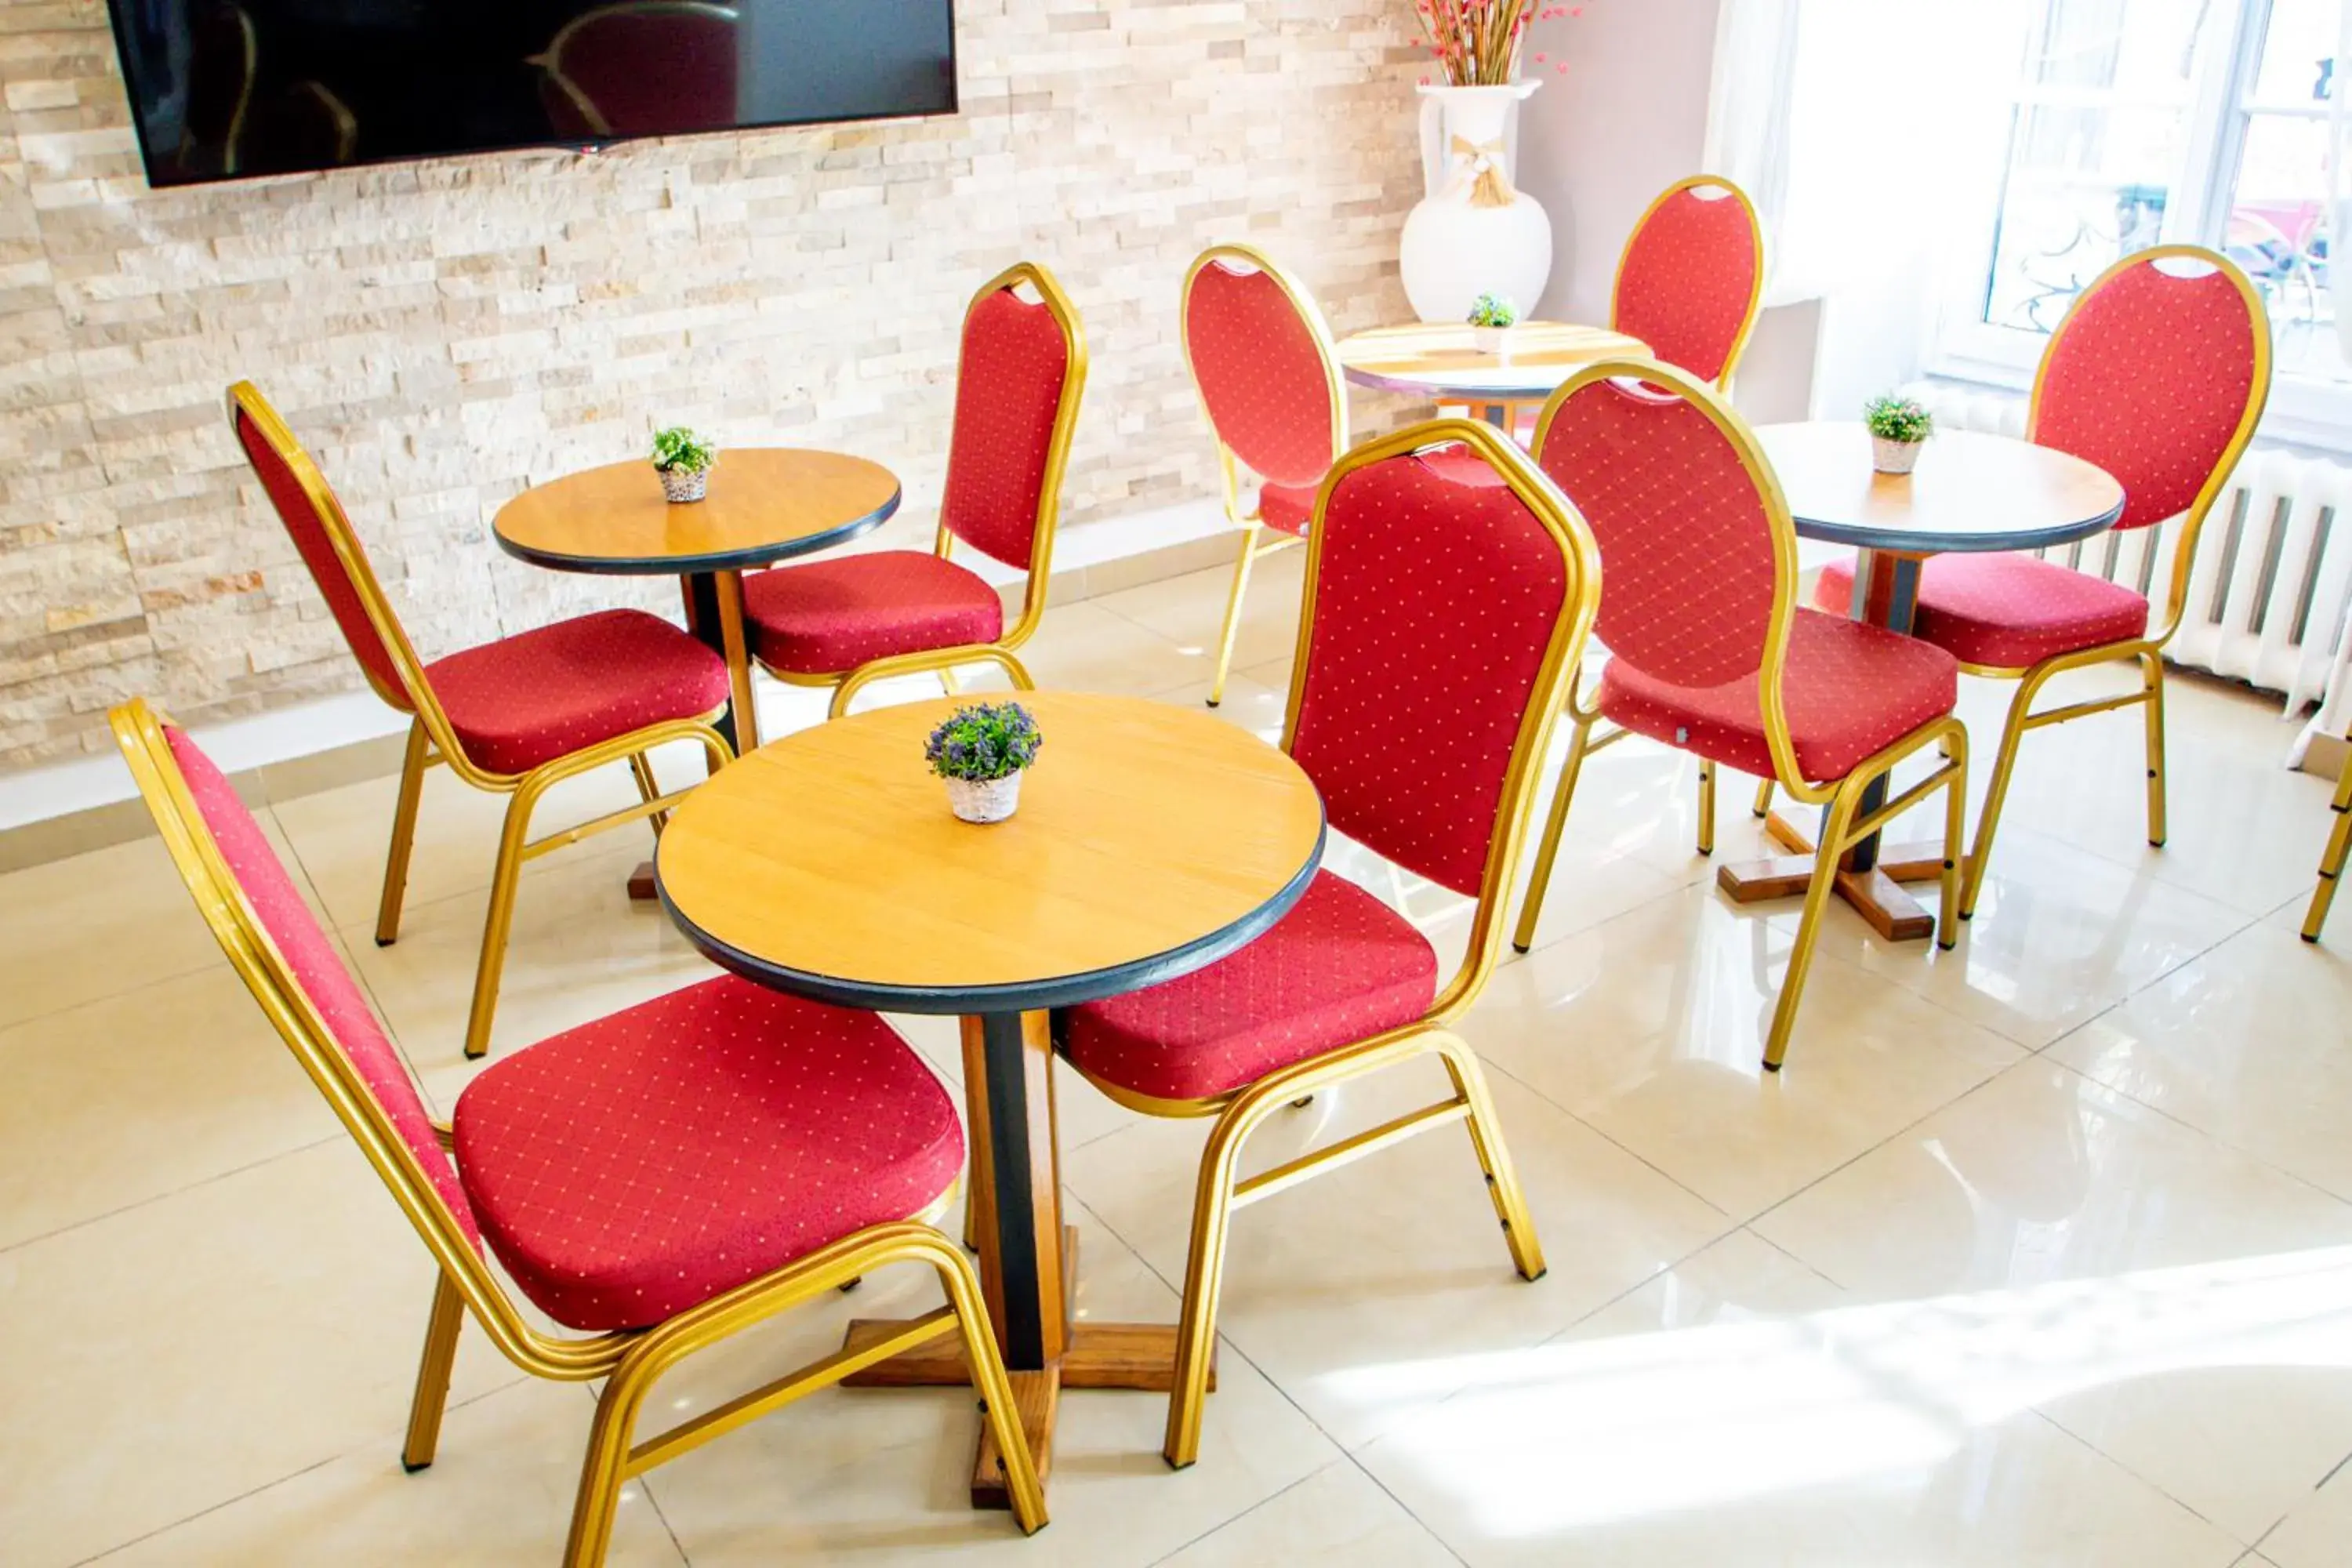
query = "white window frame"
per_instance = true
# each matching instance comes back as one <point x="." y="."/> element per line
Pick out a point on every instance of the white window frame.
<point x="2304" y="409"/>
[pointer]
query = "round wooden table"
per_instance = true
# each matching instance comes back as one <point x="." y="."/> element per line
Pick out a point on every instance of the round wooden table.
<point x="1442" y="362"/>
<point x="1151" y="841"/>
<point x="765" y="505"/>
<point x="1970" y="491"/>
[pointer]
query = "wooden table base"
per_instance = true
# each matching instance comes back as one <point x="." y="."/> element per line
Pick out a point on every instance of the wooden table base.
<point x="1878" y="893"/>
<point x="1139" y="1356"/>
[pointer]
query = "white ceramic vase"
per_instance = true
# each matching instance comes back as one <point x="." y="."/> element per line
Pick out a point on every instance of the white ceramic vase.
<point x="984" y="800"/>
<point x="681" y="485"/>
<point x="1473" y="232"/>
<point x="1495" y="341"/>
<point x="1894" y="456"/>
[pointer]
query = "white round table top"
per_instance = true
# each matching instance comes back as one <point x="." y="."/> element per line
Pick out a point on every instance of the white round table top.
<point x="1442" y="359"/>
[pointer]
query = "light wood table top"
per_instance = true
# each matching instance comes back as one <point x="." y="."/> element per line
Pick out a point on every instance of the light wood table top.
<point x="765" y="504"/>
<point x="1441" y="360"/>
<point x="1151" y="841"/>
<point x="1970" y="491"/>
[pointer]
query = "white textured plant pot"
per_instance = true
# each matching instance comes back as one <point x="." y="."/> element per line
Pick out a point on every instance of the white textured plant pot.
<point x="1495" y="341"/>
<point x="984" y="800"/>
<point x="1473" y="232"/>
<point x="685" y="484"/>
<point x="1894" y="456"/>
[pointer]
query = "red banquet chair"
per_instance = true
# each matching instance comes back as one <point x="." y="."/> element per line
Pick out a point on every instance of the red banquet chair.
<point x="1434" y="606"/>
<point x="860" y="618"/>
<point x="515" y="717"/>
<point x="1691" y="277"/>
<point x="655" y="1182"/>
<point x="1709" y="650"/>
<point x="1261" y="358"/>
<point x="2158" y="374"/>
<point x="642" y="67"/>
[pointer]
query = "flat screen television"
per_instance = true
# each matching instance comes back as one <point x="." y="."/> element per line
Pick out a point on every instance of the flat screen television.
<point x="226" y="89"/>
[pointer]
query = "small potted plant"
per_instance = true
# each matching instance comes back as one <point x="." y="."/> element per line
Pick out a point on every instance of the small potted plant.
<point x="1898" y="428"/>
<point x="1492" y="317"/>
<point x="981" y="750"/>
<point x="684" y="461"/>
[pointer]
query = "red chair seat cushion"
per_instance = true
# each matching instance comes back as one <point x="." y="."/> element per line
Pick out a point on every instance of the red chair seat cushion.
<point x="1849" y="690"/>
<point x="1286" y="509"/>
<point x="633" y="1167"/>
<point x="2007" y="611"/>
<point x="1342" y="966"/>
<point x="539" y="695"/>
<point x="830" y="617"/>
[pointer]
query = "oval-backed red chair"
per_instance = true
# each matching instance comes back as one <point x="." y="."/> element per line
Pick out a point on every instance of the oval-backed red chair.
<point x="1711" y="651"/>
<point x="1434" y="607"/>
<point x="856" y="620"/>
<point x="2158" y="374"/>
<point x="1262" y="360"/>
<point x="1691" y="277"/>
<point x="642" y="67"/>
<point x="655" y="1182"/>
<point x="515" y="717"/>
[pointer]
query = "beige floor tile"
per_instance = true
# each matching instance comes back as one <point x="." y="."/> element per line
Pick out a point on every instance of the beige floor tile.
<point x="1396" y="1258"/>
<point x="1650" y="1029"/>
<point x="882" y="1477"/>
<point x="1189" y="610"/>
<point x="176" y="1355"/>
<point x="2318" y="1533"/>
<point x="500" y="1493"/>
<point x="139" y="1095"/>
<point x="1338" y="1517"/>
<point x="1737" y="1411"/>
<point x="1086" y="647"/>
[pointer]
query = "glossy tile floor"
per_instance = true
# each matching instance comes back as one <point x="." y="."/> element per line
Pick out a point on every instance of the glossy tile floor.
<point x="2039" y="1253"/>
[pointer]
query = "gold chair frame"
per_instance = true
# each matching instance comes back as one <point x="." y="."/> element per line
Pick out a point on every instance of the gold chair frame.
<point x="1257" y="541"/>
<point x="432" y="741"/>
<point x="1003" y="651"/>
<point x="631" y="1362"/>
<point x="2331" y="861"/>
<point x="1722" y="380"/>
<point x="1240" y="1112"/>
<point x="1847" y="823"/>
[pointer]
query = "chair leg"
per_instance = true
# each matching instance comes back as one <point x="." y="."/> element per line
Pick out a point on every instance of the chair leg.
<point x="605" y="1469"/>
<point x="2154" y="665"/>
<point x="1548" y="851"/>
<point x="432" y="1396"/>
<point x="1003" y="1412"/>
<point x="1809" y="925"/>
<point x="1705" y="808"/>
<point x="2331" y="863"/>
<point x="1763" y="807"/>
<point x="1204" y="1272"/>
<point x="641" y="768"/>
<point x="1955" y="749"/>
<point x="2004" y="763"/>
<point x="1494" y="1158"/>
<point x="948" y="685"/>
<point x="499" y="922"/>
<point x="1234" y="612"/>
<point x="403" y="836"/>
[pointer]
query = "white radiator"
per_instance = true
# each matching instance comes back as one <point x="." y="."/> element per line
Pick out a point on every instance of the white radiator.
<point x="2270" y="598"/>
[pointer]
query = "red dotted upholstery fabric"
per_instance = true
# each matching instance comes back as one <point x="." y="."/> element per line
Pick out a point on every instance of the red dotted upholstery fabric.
<point x="1848" y="689"/>
<point x="309" y="531"/>
<point x="1435" y="602"/>
<point x="539" y="695"/>
<point x="2149" y="379"/>
<point x="1288" y="508"/>
<point x="830" y="617"/>
<point x="1261" y="372"/>
<point x="1688" y="282"/>
<point x="1342" y="966"/>
<point x="652" y="70"/>
<point x="1008" y="389"/>
<point x="1685" y="541"/>
<point x="636" y="1166"/>
<point x="318" y="969"/>
<point x="2008" y="612"/>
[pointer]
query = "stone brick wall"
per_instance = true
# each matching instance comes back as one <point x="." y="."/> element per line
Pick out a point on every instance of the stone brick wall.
<point x="443" y="335"/>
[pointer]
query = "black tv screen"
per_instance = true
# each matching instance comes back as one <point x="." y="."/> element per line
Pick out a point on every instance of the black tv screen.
<point x="225" y="89"/>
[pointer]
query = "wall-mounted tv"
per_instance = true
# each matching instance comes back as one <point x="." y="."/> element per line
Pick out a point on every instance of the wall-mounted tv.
<point x="225" y="89"/>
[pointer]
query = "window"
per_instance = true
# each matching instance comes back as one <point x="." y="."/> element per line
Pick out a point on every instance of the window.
<point x="2132" y="122"/>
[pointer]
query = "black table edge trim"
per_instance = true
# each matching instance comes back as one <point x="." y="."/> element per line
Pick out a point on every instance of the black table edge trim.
<point x="689" y="566"/>
<point x="1918" y="543"/>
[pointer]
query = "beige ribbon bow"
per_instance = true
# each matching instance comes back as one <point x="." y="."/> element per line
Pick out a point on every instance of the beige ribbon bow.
<point x="1494" y="186"/>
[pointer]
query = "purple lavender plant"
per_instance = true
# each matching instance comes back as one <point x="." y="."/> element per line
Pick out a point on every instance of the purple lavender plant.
<point x="984" y="741"/>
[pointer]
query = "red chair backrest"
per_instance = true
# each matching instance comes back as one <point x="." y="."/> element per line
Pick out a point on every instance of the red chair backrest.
<point x="1436" y="595"/>
<point x="275" y="908"/>
<point x="644" y="66"/>
<point x="300" y="493"/>
<point x="1260" y="363"/>
<point x="1688" y="282"/>
<point x="1685" y="533"/>
<point x="1009" y="381"/>
<point x="2156" y="374"/>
